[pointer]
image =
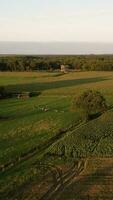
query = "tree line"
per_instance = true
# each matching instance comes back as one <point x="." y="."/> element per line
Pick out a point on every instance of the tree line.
<point x="49" y="63"/>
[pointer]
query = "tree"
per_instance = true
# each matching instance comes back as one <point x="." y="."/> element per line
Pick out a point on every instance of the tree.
<point x="90" y="103"/>
<point x="2" y="92"/>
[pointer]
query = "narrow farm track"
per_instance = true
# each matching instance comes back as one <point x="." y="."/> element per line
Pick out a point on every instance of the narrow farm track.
<point x="96" y="182"/>
<point x="63" y="181"/>
<point x="37" y="150"/>
<point x="60" y="178"/>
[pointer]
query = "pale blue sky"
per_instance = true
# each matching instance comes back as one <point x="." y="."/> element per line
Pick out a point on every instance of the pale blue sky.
<point x="56" y="20"/>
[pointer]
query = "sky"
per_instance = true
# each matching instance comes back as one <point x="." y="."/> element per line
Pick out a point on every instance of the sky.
<point x="56" y="20"/>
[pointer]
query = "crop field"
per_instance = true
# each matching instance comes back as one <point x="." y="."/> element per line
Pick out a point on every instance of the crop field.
<point x="47" y="151"/>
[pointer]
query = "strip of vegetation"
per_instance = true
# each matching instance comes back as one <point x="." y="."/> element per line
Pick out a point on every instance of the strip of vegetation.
<point x="4" y="94"/>
<point x="37" y="149"/>
<point x="32" y="63"/>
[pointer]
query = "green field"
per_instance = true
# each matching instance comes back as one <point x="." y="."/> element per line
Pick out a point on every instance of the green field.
<point x="42" y="135"/>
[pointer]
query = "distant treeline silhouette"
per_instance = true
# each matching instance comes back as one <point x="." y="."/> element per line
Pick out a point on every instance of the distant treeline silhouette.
<point x="78" y="62"/>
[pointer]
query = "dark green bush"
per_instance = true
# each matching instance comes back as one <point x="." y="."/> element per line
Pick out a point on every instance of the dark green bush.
<point x="3" y="92"/>
<point x="90" y="103"/>
<point x="34" y="94"/>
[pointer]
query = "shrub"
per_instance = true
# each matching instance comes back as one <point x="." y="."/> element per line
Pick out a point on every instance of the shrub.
<point x="2" y="92"/>
<point x="90" y="103"/>
<point x="34" y="94"/>
<point x="23" y="95"/>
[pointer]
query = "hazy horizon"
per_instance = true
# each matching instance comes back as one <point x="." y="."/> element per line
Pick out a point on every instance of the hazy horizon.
<point x="55" y="48"/>
<point x="56" y="27"/>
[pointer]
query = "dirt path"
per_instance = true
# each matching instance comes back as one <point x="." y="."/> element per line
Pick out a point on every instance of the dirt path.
<point x="96" y="182"/>
<point x="63" y="180"/>
<point x="37" y="150"/>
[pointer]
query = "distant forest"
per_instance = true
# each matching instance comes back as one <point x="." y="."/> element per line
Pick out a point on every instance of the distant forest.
<point x="49" y="63"/>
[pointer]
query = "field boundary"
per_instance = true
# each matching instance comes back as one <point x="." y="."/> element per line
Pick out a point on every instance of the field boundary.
<point x="38" y="149"/>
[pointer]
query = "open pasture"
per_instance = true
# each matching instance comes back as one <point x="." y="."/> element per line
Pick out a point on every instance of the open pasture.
<point x="45" y="128"/>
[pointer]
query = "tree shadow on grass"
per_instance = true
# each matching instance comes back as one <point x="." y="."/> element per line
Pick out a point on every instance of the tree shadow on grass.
<point x="38" y="86"/>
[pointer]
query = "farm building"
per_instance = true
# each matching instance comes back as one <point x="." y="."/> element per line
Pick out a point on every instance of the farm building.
<point x="64" y="68"/>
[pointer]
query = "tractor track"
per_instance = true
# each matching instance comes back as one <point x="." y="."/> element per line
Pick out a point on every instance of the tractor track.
<point x="63" y="181"/>
<point x="37" y="150"/>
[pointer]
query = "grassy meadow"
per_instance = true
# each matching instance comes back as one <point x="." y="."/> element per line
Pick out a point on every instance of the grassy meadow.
<point x="41" y="134"/>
